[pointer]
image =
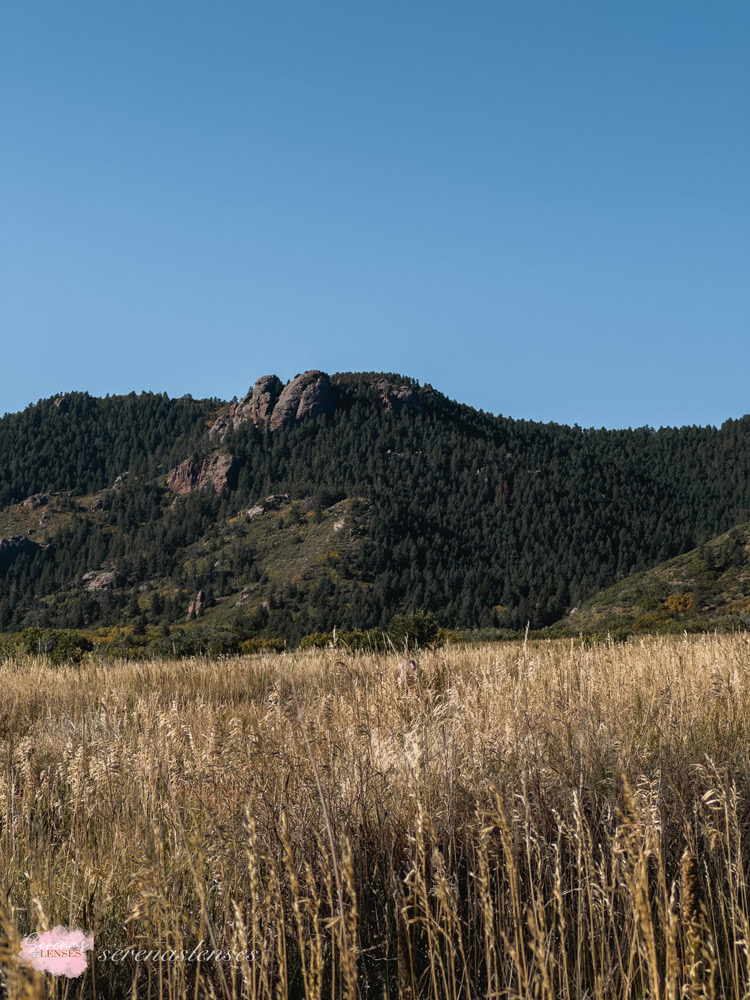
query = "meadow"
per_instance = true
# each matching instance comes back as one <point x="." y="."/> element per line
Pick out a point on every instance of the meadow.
<point x="553" y="819"/>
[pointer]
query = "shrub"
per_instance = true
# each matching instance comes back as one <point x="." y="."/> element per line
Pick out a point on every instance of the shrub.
<point x="60" y="645"/>
<point x="262" y="646"/>
<point x="409" y="631"/>
<point x="316" y="640"/>
<point x="679" y="603"/>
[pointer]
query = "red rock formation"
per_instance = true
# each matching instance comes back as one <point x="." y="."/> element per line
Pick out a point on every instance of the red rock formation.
<point x="184" y="478"/>
<point x="217" y="469"/>
<point x="220" y="471"/>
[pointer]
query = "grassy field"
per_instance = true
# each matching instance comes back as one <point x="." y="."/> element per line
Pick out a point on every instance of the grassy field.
<point x="552" y="820"/>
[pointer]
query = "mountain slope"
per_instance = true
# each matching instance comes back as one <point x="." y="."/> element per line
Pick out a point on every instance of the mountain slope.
<point x="485" y="521"/>
<point x="80" y="443"/>
<point x="708" y="585"/>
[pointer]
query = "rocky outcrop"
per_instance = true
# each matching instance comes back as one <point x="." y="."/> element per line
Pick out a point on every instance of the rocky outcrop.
<point x="184" y="478"/>
<point x="99" y="579"/>
<point x="256" y="407"/>
<point x="270" y="503"/>
<point x="397" y="397"/>
<point x="37" y="501"/>
<point x="197" y="607"/>
<point x="218" y="470"/>
<point x="307" y="395"/>
<point x="12" y="548"/>
<point x="271" y="406"/>
<point x="266" y="393"/>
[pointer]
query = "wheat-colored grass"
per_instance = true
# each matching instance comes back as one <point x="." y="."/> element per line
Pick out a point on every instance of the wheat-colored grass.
<point x="546" y="820"/>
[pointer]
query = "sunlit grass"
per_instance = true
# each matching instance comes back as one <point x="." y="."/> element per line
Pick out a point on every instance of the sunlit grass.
<point x="522" y="820"/>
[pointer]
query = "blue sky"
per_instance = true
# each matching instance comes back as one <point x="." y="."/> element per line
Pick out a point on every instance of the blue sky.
<point x="540" y="208"/>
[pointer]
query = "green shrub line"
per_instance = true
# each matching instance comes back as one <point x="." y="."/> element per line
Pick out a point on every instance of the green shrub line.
<point x="407" y="632"/>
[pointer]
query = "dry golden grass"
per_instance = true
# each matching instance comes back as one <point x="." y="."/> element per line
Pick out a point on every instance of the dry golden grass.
<point x="545" y="820"/>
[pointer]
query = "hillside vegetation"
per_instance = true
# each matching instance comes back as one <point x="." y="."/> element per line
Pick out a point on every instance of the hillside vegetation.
<point x="708" y="586"/>
<point x="532" y="820"/>
<point x="390" y="498"/>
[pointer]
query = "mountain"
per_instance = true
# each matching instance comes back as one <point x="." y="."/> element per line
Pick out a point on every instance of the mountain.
<point x="338" y="501"/>
<point x="708" y="586"/>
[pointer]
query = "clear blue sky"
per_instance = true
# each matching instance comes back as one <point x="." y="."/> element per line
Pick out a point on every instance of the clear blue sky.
<point x="540" y="208"/>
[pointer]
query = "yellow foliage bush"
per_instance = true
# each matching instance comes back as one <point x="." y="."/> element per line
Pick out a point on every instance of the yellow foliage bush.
<point x="678" y="603"/>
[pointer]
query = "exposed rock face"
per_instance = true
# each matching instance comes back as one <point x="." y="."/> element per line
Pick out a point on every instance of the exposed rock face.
<point x="397" y="397"/>
<point x="270" y="405"/>
<point x="11" y="549"/>
<point x="270" y="503"/>
<point x="256" y="406"/>
<point x="220" y="471"/>
<point x="37" y="501"/>
<point x="196" y="607"/>
<point x="237" y="414"/>
<point x="121" y="481"/>
<point x="266" y="393"/>
<point x="61" y="403"/>
<point x="184" y="478"/>
<point x="97" y="579"/>
<point x="217" y="469"/>
<point x="307" y="395"/>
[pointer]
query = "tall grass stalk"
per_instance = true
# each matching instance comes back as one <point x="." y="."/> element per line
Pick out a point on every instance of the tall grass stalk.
<point x="534" y="820"/>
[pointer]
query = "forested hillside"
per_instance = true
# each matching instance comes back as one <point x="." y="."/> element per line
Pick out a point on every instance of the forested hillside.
<point x="389" y="497"/>
<point x="80" y="443"/>
<point x="707" y="587"/>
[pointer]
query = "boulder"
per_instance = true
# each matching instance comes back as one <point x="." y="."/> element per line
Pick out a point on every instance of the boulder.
<point x="270" y="503"/>
<point x="99" y="579"/>
<point x="36" y="501"/>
